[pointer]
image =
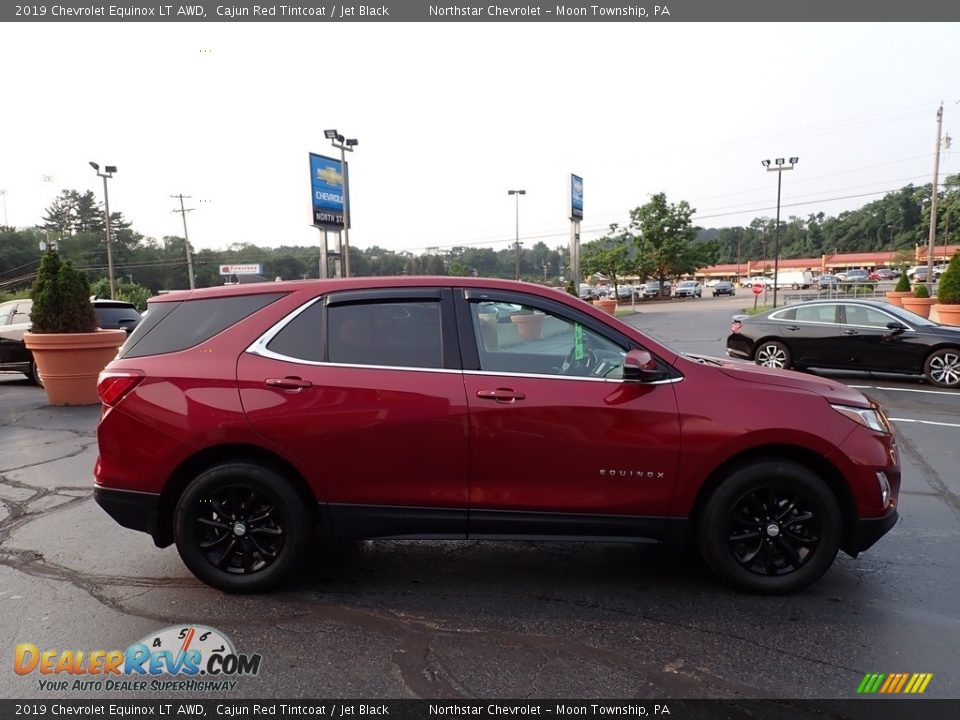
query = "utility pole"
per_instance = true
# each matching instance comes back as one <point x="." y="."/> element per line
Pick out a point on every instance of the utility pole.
<point x="186" y="239"/>
<point x="931" y="245"/>
<point x="517" y="194"/>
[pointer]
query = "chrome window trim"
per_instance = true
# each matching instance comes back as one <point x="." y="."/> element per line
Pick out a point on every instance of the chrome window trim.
<point x="259" y="346"/>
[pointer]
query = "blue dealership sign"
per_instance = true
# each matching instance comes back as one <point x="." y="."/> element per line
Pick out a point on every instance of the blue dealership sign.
<point x="576" y="197"/>
<point x="327" y="183"/>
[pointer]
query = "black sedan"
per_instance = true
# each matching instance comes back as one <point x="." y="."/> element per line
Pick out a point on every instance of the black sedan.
<point x="15" y="321"/>
<point x="860" y="335"/>
<point x="724" y="288"/>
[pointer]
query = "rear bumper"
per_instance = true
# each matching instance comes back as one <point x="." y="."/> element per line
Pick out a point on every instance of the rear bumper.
<point x="868" y="530"/>
<point x="132" y="509"/>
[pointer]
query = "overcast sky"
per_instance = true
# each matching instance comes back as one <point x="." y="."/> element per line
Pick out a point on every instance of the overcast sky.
<point x="449" y="116"/>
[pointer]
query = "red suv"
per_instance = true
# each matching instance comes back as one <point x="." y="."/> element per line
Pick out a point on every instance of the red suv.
<point x="238" y="419"/>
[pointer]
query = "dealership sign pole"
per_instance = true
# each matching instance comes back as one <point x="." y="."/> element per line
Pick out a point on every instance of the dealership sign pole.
<point x="575" y="192"/>
<point x="327" y="183"/>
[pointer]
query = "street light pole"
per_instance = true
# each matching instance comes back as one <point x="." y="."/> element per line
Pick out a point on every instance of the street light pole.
<point x="345" y="145"/>
<point x="3" y="193"/>
<point x="517" y="193"/>
<point x="107" y="173"/>
<point x="779" y="168"/>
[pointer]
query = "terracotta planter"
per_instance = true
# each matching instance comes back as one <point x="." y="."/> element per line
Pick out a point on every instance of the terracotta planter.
<point x="69" y="363"/>
<point x="488" y="332"/>
<point x="529" y="327"/>
<point x="608" y="306"/>
<point x="895" y="297"/>
<point x="920" y="306"/>
<point x="948" y="314"/>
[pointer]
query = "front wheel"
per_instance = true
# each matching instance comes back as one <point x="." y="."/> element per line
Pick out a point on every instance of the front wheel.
<point x="770" y="527"/>
<point x="241" y="527"/>
<point x="774" y="354"/>
<point x="942" y="368"/>
<point x="33" y="372"/>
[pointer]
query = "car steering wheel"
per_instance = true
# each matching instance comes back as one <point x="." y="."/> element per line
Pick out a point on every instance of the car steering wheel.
<point x="580" y="368"/>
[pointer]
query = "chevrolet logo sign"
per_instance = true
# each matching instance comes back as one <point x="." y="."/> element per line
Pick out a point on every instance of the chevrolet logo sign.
<point x="330" y="176"/>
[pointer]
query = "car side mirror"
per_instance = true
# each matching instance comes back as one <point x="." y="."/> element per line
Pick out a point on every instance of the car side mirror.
<point x="896" y="326"/>
<point x="639" y="366"/>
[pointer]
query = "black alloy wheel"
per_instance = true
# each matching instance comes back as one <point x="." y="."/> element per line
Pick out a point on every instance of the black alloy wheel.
<point x="771" y="527"/>
<point x="241" y="527"/>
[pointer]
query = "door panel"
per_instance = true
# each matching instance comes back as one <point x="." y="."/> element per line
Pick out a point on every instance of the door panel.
<point x="363" y="394"/>
<point x="555" y="431"/>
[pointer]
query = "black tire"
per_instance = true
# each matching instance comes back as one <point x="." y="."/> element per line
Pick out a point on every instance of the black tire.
<point x="33" y="373"/>
<point x="261" y="523"/>
<point x="773" y="353"/>
<point x="942" y="368"/>
<point x="770" y="527"/>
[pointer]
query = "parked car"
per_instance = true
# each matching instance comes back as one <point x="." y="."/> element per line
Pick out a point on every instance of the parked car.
<point x="861" y="335"/>
<point x="15" y="321"/>
<point x="379" y="408"/>
<point x="724" y="288"/>
<point x="827" y="281"/>
<point x="655" y="289"/>
<point x="625" y="292"/>
<point x="688" y="288"/>
<point x="855" y="276"/>
<point x="757" y="280"/>
<point x="882" y="274"/>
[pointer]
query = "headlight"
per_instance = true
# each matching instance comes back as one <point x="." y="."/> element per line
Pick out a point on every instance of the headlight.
<point x="868" y="417"/>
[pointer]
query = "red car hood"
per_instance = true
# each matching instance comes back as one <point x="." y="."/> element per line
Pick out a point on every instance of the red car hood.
<point x="833" y="391"/>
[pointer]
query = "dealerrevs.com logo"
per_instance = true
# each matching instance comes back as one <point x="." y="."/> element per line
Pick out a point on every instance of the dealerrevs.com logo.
<point x="202" y="658"/>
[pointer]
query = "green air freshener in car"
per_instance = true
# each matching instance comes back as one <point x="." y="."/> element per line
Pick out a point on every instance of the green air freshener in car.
<point x="577" y="342"/>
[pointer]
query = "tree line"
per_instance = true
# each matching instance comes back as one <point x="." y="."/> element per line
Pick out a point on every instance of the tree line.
<point x="659" y="240"/>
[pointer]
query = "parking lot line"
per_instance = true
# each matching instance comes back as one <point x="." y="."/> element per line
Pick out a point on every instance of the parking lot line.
<point x="924" y="422"/>
<point x="897" y="389"/>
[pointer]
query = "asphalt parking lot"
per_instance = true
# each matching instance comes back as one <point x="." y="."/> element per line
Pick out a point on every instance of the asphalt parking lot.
<point x="492" y="620"/>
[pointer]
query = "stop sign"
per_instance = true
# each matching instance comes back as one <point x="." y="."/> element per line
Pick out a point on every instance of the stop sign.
<point x="757" y="289"/>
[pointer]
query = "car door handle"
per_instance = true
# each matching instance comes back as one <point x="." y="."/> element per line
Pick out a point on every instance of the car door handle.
<point x="288" y="383"/>
<point x="503" y="395"/>
<point x="849" y="332"/>
<point x="793" y="328"/>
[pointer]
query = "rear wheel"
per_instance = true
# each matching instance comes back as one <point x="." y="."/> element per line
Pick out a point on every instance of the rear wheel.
<point x="241" y="527"/>
<point x="942" y="368"/>
<point x="771" y="527"/>
<point x="772" y="353"/>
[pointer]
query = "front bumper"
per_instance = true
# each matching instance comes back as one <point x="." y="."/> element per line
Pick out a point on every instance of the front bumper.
<point x="868" y="530"/>
<point x="132" y="509"/>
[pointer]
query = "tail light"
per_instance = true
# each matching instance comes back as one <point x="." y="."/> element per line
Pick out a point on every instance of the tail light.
<point x="735" y="326"/>
<point x="113" y="386"/>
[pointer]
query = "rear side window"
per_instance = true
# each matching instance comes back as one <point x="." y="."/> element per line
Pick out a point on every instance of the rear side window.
<point x="117" y="317"/>
<point x="171" y="327"/>
<point x="399" y="334"/>
<point x="302" y="337"/>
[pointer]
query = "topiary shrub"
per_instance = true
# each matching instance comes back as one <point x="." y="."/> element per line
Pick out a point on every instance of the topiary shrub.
<point x="61" y="299"/>
<point x="948" y="289"/>
<point x="903" y="284"/>
<point x="920" y="291"/>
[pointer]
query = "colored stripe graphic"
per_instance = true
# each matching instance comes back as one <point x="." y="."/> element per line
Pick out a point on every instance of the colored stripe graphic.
<point x="895" y="683"/>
